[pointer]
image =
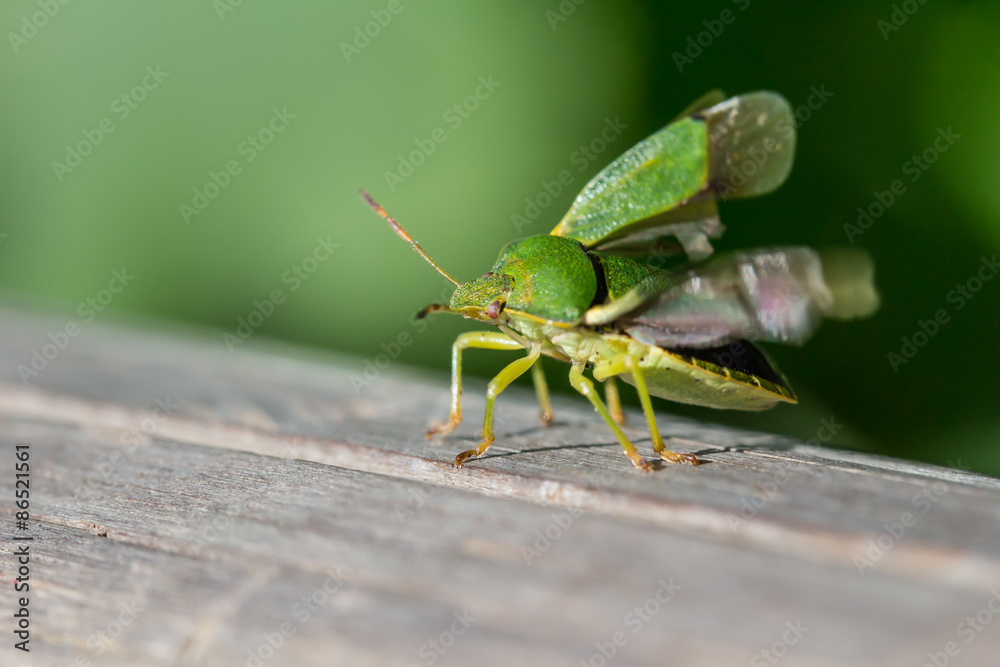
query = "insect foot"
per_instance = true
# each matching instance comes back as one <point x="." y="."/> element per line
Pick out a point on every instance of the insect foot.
<point x="441" y="429"/>
<point x="478" y="451"/>
<point x="641" y="463"/>
<point x="674" y="457"/>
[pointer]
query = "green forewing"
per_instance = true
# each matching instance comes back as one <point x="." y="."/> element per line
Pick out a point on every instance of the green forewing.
<point x="656" y="175"/>
<point x="740" y="147"/>
<point x="685" y="229"/>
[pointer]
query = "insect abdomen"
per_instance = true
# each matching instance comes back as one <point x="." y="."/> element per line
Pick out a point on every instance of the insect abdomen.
<point x="678" y="376"/>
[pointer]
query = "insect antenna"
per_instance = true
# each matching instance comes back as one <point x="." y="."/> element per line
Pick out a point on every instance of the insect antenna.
<point x="433" y="308"/>
<point x="396" y="227"/>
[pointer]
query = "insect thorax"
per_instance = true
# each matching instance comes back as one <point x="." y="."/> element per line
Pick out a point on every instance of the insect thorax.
<point x="578" y="344"/>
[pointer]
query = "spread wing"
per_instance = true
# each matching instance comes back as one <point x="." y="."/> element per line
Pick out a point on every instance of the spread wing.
<point x="777" y="295"/>
<point x="666" y="184"/>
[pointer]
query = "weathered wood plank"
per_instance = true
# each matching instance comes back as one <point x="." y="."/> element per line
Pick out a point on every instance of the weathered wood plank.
<point x="271" y="472"/>
<point x="178" y="538"/>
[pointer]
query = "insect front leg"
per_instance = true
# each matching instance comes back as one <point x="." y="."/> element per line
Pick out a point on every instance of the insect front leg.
<point x="513" y="371"/>
<point x="586" y="387"/>
<point x="487" y="340"/>
<point x="627" y="363"/>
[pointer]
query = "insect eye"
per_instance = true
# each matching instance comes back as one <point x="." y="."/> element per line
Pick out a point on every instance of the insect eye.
<point x="488" y="274"/>
<point x="494" y="309"/>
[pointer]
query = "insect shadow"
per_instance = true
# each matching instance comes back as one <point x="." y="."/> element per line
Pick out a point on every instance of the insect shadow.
<point x="779" y="445"/>
<point x="656" y="463"/>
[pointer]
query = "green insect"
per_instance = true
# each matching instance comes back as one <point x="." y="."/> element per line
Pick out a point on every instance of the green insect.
<point x="595" y="293"/>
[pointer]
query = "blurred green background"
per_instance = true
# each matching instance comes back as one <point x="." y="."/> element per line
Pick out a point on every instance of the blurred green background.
<point x="305" y="109"/>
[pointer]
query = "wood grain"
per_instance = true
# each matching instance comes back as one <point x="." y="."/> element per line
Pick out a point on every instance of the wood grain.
<point x="272" y="481"/>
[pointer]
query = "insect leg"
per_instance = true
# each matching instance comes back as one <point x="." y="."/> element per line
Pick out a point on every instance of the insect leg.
<point x="614" y="400"/>
<point x="628" y="363"/>
<point x="542" y="389"/>
<point x="497" y="385"/>
<point x="586" y="387"/>
<point x="488" y="340"/>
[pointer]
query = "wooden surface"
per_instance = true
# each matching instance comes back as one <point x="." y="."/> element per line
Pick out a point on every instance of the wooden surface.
<point x="273" y="482"/>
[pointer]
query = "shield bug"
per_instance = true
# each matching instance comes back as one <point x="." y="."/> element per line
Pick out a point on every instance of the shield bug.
<point x="626" y="284"/>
